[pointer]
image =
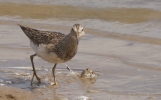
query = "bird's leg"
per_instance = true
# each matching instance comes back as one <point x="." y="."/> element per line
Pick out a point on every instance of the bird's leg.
<point x="53" y="70"/>
<point x="34" y="71"/>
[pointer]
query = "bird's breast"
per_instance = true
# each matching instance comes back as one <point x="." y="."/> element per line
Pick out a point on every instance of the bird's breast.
<point x="42" y="52"/>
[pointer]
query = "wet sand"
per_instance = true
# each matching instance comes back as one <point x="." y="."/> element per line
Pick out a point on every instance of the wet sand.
<point x="10" y="93"/>
<point x="128" y="65"/>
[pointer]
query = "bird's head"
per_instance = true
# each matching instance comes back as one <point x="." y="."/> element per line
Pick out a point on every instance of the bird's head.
<point x="78" y="29"/>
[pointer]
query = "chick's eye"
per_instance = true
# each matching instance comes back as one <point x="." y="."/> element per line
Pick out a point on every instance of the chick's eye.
<point x="82" y="29"/>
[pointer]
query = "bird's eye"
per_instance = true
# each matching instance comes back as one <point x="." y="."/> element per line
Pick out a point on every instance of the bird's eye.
<point x="82" y="29"/>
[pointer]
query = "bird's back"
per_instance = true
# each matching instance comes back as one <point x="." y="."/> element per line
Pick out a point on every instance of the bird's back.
<point x="42" y="37"/>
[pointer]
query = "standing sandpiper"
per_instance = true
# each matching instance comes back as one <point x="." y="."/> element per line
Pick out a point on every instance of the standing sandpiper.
<point x="53" y="47"/>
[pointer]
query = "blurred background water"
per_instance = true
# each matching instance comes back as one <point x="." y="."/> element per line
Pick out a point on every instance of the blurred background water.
<point x="136" y="17"/>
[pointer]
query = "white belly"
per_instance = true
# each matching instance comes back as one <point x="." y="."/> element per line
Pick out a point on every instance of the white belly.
<point x="42" y="52"/>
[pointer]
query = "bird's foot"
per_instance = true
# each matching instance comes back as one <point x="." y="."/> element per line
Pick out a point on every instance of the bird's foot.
<point x="39" y="80"/>
<point x="55" y="84"/>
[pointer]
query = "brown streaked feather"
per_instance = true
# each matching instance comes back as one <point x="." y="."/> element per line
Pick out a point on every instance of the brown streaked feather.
<point x="42" y="37"/>
<point x="67" y="47"/>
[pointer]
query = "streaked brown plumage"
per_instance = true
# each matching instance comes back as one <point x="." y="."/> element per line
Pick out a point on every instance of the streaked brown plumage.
<point x="53" y="47"/>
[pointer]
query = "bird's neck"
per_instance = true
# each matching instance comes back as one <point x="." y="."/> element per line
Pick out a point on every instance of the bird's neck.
<point x="73" y="36"/>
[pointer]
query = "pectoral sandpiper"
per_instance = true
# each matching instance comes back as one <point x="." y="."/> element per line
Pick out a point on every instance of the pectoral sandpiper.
<point x="53" y="47"/>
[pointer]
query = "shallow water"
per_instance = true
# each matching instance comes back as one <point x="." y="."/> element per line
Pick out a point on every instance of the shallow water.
<point x="122" y="45"/>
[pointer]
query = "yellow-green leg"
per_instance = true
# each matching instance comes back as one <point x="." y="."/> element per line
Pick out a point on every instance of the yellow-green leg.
<point x="34" y="71"/>
<point x="53" y="70"/>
